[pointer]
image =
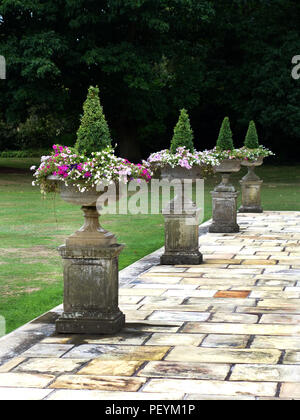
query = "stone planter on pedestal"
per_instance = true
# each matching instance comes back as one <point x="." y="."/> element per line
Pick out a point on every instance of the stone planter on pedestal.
<point x="251" y="186"/>
<point x="224" y="200"/>
<point x="90" y="258"/>
<point x="181" y="221"/>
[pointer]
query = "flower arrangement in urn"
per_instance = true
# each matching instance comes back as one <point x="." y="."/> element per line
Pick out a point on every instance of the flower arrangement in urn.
<point x="225" y="151"/>
<point x="91" y="160"/>
<point x="182" y="160"/>
<point x="252" y="152"/>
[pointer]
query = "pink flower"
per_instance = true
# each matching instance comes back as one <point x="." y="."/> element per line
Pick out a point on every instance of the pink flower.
<point x="87" y="175"/>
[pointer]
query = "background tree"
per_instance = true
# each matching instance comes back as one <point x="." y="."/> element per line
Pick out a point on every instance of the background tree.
<point x="151" y="58"/>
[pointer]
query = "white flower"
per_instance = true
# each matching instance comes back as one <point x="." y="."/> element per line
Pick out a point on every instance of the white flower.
<point x="33" y="168"/>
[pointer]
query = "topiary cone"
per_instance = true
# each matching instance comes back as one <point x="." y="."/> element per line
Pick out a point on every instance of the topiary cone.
<point x="251" y="139"/>
<point x="93" y="134"/>
<point x="225" y="141"/>
<point x="183" y="133"/>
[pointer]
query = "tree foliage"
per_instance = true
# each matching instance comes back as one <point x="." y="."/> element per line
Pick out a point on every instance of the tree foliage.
<point x="151" y="58"/>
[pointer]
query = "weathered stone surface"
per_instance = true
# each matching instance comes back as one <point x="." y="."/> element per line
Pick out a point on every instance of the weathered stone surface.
<point x="292" y="357"/>
<point x="212" y="387"/>
<point x="232" y="294"/>
<point x="275" y="342"/>
<point x="110" y="368"/>
<point x="90" y="290"/>
<point x="179" y="316"/>
<point x="221" y="317"/>
<point x="185" y="370"/>
<point x="24" y="380"/>
<point x="49" y="365"/>
<point x="225" y="340"/>
<point x="164" y="339"/>
<point x="77" y="395"/>
<point x="181" y="234"/>
<point x="224" y="216"/>
<point x="222" y="355"/>
<point x="266" y="373"/>
<point x="98" y="382"/>
<point x="252" y="329"/>
<point x="23" y="394"/>
<point x="11" y="364"/>
<point x="113" y="352"/>
<point x="290" y="390"/>
<point x="47" y="350"/>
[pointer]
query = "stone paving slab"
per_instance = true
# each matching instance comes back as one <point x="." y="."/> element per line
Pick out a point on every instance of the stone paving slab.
<point x="226" y="329"/>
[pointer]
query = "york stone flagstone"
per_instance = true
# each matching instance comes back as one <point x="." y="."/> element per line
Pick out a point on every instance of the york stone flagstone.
<point x="252" y="329"/>
<point x="98" y="382"/>
<point x="23" y="394"/>
<point x="153" y="326"/>
<point x="24" y="380"/>
<point x="276" y="342"/>
<point x="134" y="338"/>
<point x="78" y="395"/>
<point x="280" y="319"/>
<point x="292" y="357"/>
<point x="50" y="365"/>
<point x="223" y="355"/>
<point x="115" y="352"/>
<point x="266" y="373"/>
<point x="185" y="370"/>
<point x="225" y="340"/>
<point x="179" y="316"/>
<point x="164" y="339"/>
<point x="110" y="368"/>
<point x="47" y="350"/>
<point x="290" y="390"/>
<point x="233" y="318"/>
<point x="212" y="387"/>
<point x="223" y="301"/>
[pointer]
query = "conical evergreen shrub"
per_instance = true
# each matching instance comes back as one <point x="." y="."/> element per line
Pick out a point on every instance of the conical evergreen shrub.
<point x="225" y="141"/>
<point x="93" y="134"/>
<point x="251" y="139"/>
<point x="183" y="133"/>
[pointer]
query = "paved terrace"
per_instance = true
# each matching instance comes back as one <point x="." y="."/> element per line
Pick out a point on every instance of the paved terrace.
<point x="227" y="329"/>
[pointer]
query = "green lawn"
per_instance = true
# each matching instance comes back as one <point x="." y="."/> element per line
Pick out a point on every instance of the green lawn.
<point x="31" y="228"/>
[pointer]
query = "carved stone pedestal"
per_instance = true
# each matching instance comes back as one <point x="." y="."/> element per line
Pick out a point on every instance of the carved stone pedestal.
<point x="224" y="201"/>
<point x="181" y="234"/>
<point x="251" y="187"/>
<point x="224" y="212"/>
<point x="91" y="274"/>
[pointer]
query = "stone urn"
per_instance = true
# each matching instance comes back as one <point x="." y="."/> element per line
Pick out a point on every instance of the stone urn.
<point x="224" y="199"/>
<point x="181" y="218"/>
<point x="90" y="257"/>
<point x="179" y="172"/>
<point x="251" y="188"/>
